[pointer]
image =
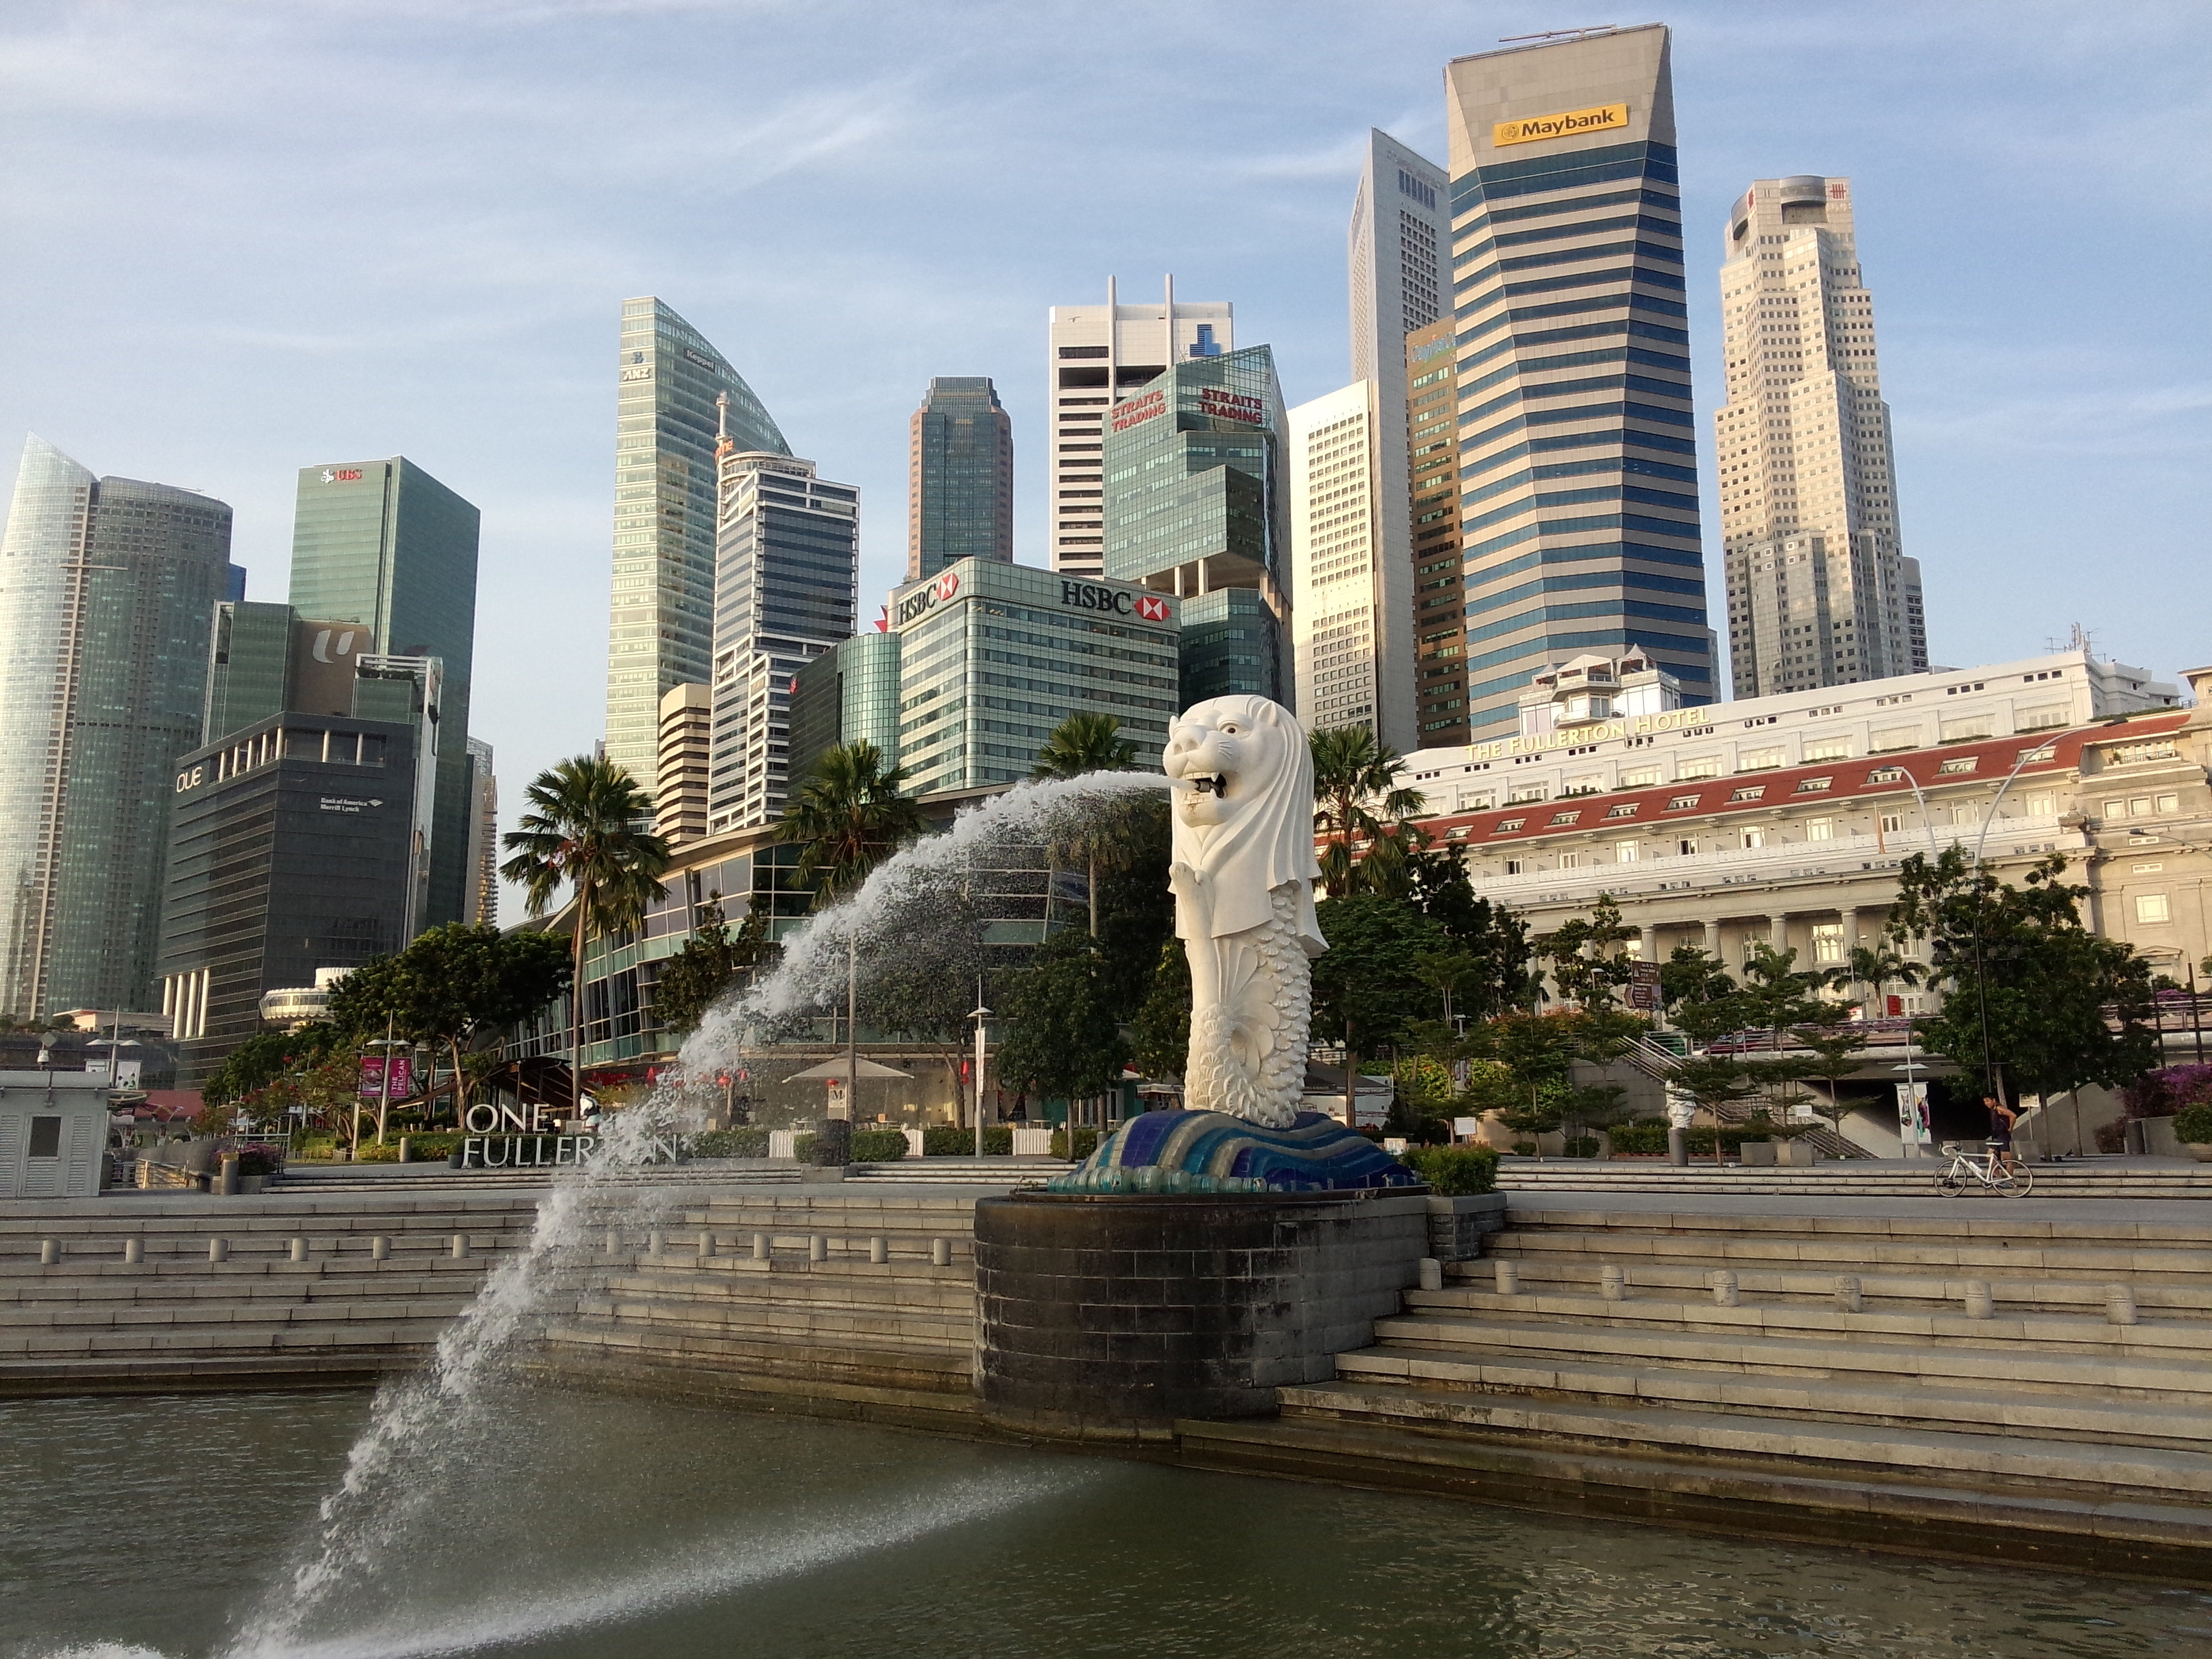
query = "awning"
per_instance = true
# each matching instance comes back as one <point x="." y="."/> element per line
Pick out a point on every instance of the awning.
<point x="833" y="1071"/>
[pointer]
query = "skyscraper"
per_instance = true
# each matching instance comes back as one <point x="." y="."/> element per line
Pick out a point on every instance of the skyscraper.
<point x="1431" y="415"/>
<point x="104" y="608"/>
<point x="484" y="836"/>
<point x="960" y="478"/>
<point x="1352" y="650"/>
<point x="1099" y="354"/>
<point x="1818" y="591"/>
<point x="687" y="741"/>
<point x="386" y="546"/>
<point x="660" y="629"/>
<point x="1578" y="450"/>
<point x="1202" y="512"/>
<point x="787" y="588"/>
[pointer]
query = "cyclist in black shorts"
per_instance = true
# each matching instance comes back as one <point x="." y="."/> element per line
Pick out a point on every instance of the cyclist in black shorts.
<point x="2000" y="1123"/>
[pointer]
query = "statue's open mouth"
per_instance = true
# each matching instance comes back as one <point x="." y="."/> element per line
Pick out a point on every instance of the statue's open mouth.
<point x="1216" y="784"/>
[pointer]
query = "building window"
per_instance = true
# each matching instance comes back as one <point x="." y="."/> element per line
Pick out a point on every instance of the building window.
<point x="1626" y="851"/>
<point x="2168" y="803"/>
<point x="1526" y="794"/>
<point x="1827" y="941"/>
<point x="1640" y="777"/>
<point x="1564" y="818"/>
<point x="2131" y="754"/>
<point x="1961" y="763"/>
<point x="1758" y="760"/>
<point x="1626" y="810"/>
<point x="1814" y="786"/>
<point x="1751" y="794"/>
<point x="1887" y="774"/>
<point x="1704" y="766"/>
<point x="1515" y="866"/>
<point x="1820" y="829"/>
<point x="2153" y="906"/>
<point x="1892" y="823"/>
<point x="1688" y="846"/>
<point x="2043" y="806"/>
<point x="1754" y="837"/>
<point x="1571" y="860"/>
<point x="1683" y="802"/>
<point x="1828" y="749"/>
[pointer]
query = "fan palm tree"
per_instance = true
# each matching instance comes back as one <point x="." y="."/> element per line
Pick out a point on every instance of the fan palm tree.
<point x="587" y="830"/>
<point x="1875" y="966"/>
<point x="1355" y="792"/>
<point x="1079" y="746"/>
<point x="848" y="817"/>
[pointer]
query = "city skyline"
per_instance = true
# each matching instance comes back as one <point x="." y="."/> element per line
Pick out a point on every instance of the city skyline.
<point x="1979" y="322"/>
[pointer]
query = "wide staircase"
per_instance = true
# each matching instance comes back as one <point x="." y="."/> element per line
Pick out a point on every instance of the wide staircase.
<point x="2101" y="1177"/>
<point x="2030" y="1384"/>
<point x="161" y="1292"/>
<point x="828" y="1301"/>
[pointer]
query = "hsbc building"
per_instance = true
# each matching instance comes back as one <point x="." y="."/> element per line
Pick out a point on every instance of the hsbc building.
<point x="992" y="656"/>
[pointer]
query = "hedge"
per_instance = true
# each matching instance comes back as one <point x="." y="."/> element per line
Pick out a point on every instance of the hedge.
<point x="1075" y="1144"/>
<point x="1650" y="1135"/>
<point x="2192" y="1125"/>
<point x="1455" y="1171"/>
<point x="945" y="1142"/>
<point x="730" y="1143"/>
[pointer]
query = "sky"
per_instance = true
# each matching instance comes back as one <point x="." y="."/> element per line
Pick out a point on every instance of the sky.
<point x="245" y="236"/>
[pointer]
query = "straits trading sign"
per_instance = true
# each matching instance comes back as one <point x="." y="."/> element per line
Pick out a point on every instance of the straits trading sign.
<point x="1130" y="411"/>
<point x="1223" y="405"/>
<point x="1568" y="124"/>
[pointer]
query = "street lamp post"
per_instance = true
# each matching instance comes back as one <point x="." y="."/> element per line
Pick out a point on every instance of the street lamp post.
<point x="981" y="1014"/>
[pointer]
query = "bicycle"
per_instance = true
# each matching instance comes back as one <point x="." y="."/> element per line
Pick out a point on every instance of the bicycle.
<point x="1989" y="1170"/>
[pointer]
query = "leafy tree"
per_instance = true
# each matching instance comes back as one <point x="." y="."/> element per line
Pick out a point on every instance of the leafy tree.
<point x="1492" y="935"/>
<point x="1064" y="1038"/>
<point x="585" y="831"/>
<point x="1365" y="990"/>
<point x="923" y="992"/>
<point x="1355" y="792"/>
<point x="1586" y="954"/>
<point x="1161" y="1031"/>
<point x="1134" y="909"/>
<point x="1831" y="1052"/>
<point x="1775" y="996"/>
<point x="2027" y="987"/>
<point x="1538" y="1052"/>
<point x="1079" y="745"/>
<point x="712" y="960"/>
<point x="848" y="817"/>
<point x="264" y="1057"/>
<point x="1714" y="1083"/>
<point x="450" y="983"/>
<point x="1689" y="975"/>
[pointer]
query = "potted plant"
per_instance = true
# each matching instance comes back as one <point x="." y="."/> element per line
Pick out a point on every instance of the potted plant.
<point x="2192" y="1127"/>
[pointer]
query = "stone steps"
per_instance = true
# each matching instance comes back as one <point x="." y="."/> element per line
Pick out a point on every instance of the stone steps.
<point x="1846" y="1180"/>
<point x="2093" y="1472"/>
<point x="2187" y="1296"/>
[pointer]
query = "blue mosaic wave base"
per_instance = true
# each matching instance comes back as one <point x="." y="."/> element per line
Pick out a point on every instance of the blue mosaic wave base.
<point x="1214" y="1153"/>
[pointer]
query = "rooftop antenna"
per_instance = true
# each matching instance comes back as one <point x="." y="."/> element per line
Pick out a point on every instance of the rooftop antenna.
<point x="1559" y="35"/>
<point x="723" y="446"/>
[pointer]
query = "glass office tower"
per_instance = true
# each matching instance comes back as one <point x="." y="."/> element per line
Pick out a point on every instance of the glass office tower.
<point x="1578" y="450"/>
<point x="103" y="657"/>
<point x="1197" y="505"/>
<point x="660" y="629"/>
<point x="960" y="478"/>
<point x="384" y="544"/>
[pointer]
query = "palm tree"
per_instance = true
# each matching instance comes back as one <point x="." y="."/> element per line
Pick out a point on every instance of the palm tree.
<point x="1355" y="791"/>
<point x="1875" y="966"/>
<point x="850" y="816"/>
<point x="588" y="831"/>
<point x="1079" y="746"/>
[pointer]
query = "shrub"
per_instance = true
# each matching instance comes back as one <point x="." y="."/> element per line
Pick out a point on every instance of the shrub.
<point x="945" y="1141"/>
<point x="2164" y="1093"/>
<point x="1650" y="1135"/>
<point x="878" y="1145"/>
<point x="2192" y="1125"/>
<point x="731" y="1143"/>
<point x="2111" y="1137"/>
<point x="1454" y="1171"/>
<point x="253" y="1161"/>
<point x="1075" y="1144"/>
<point x="1582" y="1146"/>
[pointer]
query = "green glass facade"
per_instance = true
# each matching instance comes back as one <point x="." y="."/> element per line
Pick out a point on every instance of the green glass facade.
<point x="104" y="613"/>
<point x="385" y="546"/>
<point x="1197" y="502"/>
<point x="660" y="631"/>
<point x="960" y="477"/>
<point x="249" y="666"/>
<point x="850" y="694"/>
<point x="992" y="657"/>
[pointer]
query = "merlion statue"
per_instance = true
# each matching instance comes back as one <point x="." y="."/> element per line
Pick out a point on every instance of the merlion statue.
<point x="1241" y="868"/>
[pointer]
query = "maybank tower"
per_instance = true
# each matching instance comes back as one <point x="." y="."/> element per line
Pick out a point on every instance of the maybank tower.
<point x="1578" y="484"/>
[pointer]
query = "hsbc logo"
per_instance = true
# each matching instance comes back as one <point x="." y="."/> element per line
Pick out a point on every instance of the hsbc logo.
<point x="947" y="585"/>
<point x="1095" y="596"/>
<point x="1150" y="609"/>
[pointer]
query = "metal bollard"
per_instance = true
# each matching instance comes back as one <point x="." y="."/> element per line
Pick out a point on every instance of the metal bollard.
<point x="818" y="1248"/>
<point x="298" y="1249"/>
<point x="762" y="1247"/>
<point x="1980" y="1304"/>
<point x="1849" y="1295"/>
<point x="460" y="1246"/>
<point x="218" y="1250"/>
<point x="2119" y="1305"/>
<point x="134" y="1251"/>
<point x="940" y="1252"/>
<point x="1725" y="1293"/>
<point x="1612" y="1283"/>
<point x="50" y="1252"/>
<point x="1508" y="1278"/>
<point x="879" y="1252"/>
<point x="379" y="1249"/>
<point x="1433" y="1273"/>
<point x="706" y="1245"/>
<point x="655" y="1241"/>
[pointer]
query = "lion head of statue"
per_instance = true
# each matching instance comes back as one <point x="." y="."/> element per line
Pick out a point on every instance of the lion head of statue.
<point x="1244" y="805"/>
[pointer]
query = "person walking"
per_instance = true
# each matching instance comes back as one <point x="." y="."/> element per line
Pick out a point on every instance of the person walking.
<point x="2001" y="1118"/>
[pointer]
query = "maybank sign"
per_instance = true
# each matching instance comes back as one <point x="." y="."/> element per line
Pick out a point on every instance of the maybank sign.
<point x="1568" y="124"/>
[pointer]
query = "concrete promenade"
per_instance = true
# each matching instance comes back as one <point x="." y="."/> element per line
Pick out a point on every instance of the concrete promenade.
<point x="1982" y="1377"/>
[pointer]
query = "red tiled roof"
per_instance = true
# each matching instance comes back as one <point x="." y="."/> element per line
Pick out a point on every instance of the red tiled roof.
<point x="1764" y="791"/>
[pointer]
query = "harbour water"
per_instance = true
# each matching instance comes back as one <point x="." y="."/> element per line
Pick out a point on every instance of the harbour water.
<point x="604" y="1527"/>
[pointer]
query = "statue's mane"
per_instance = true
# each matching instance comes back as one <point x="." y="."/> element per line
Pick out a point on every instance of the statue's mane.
<point x="1267" y="840"/>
